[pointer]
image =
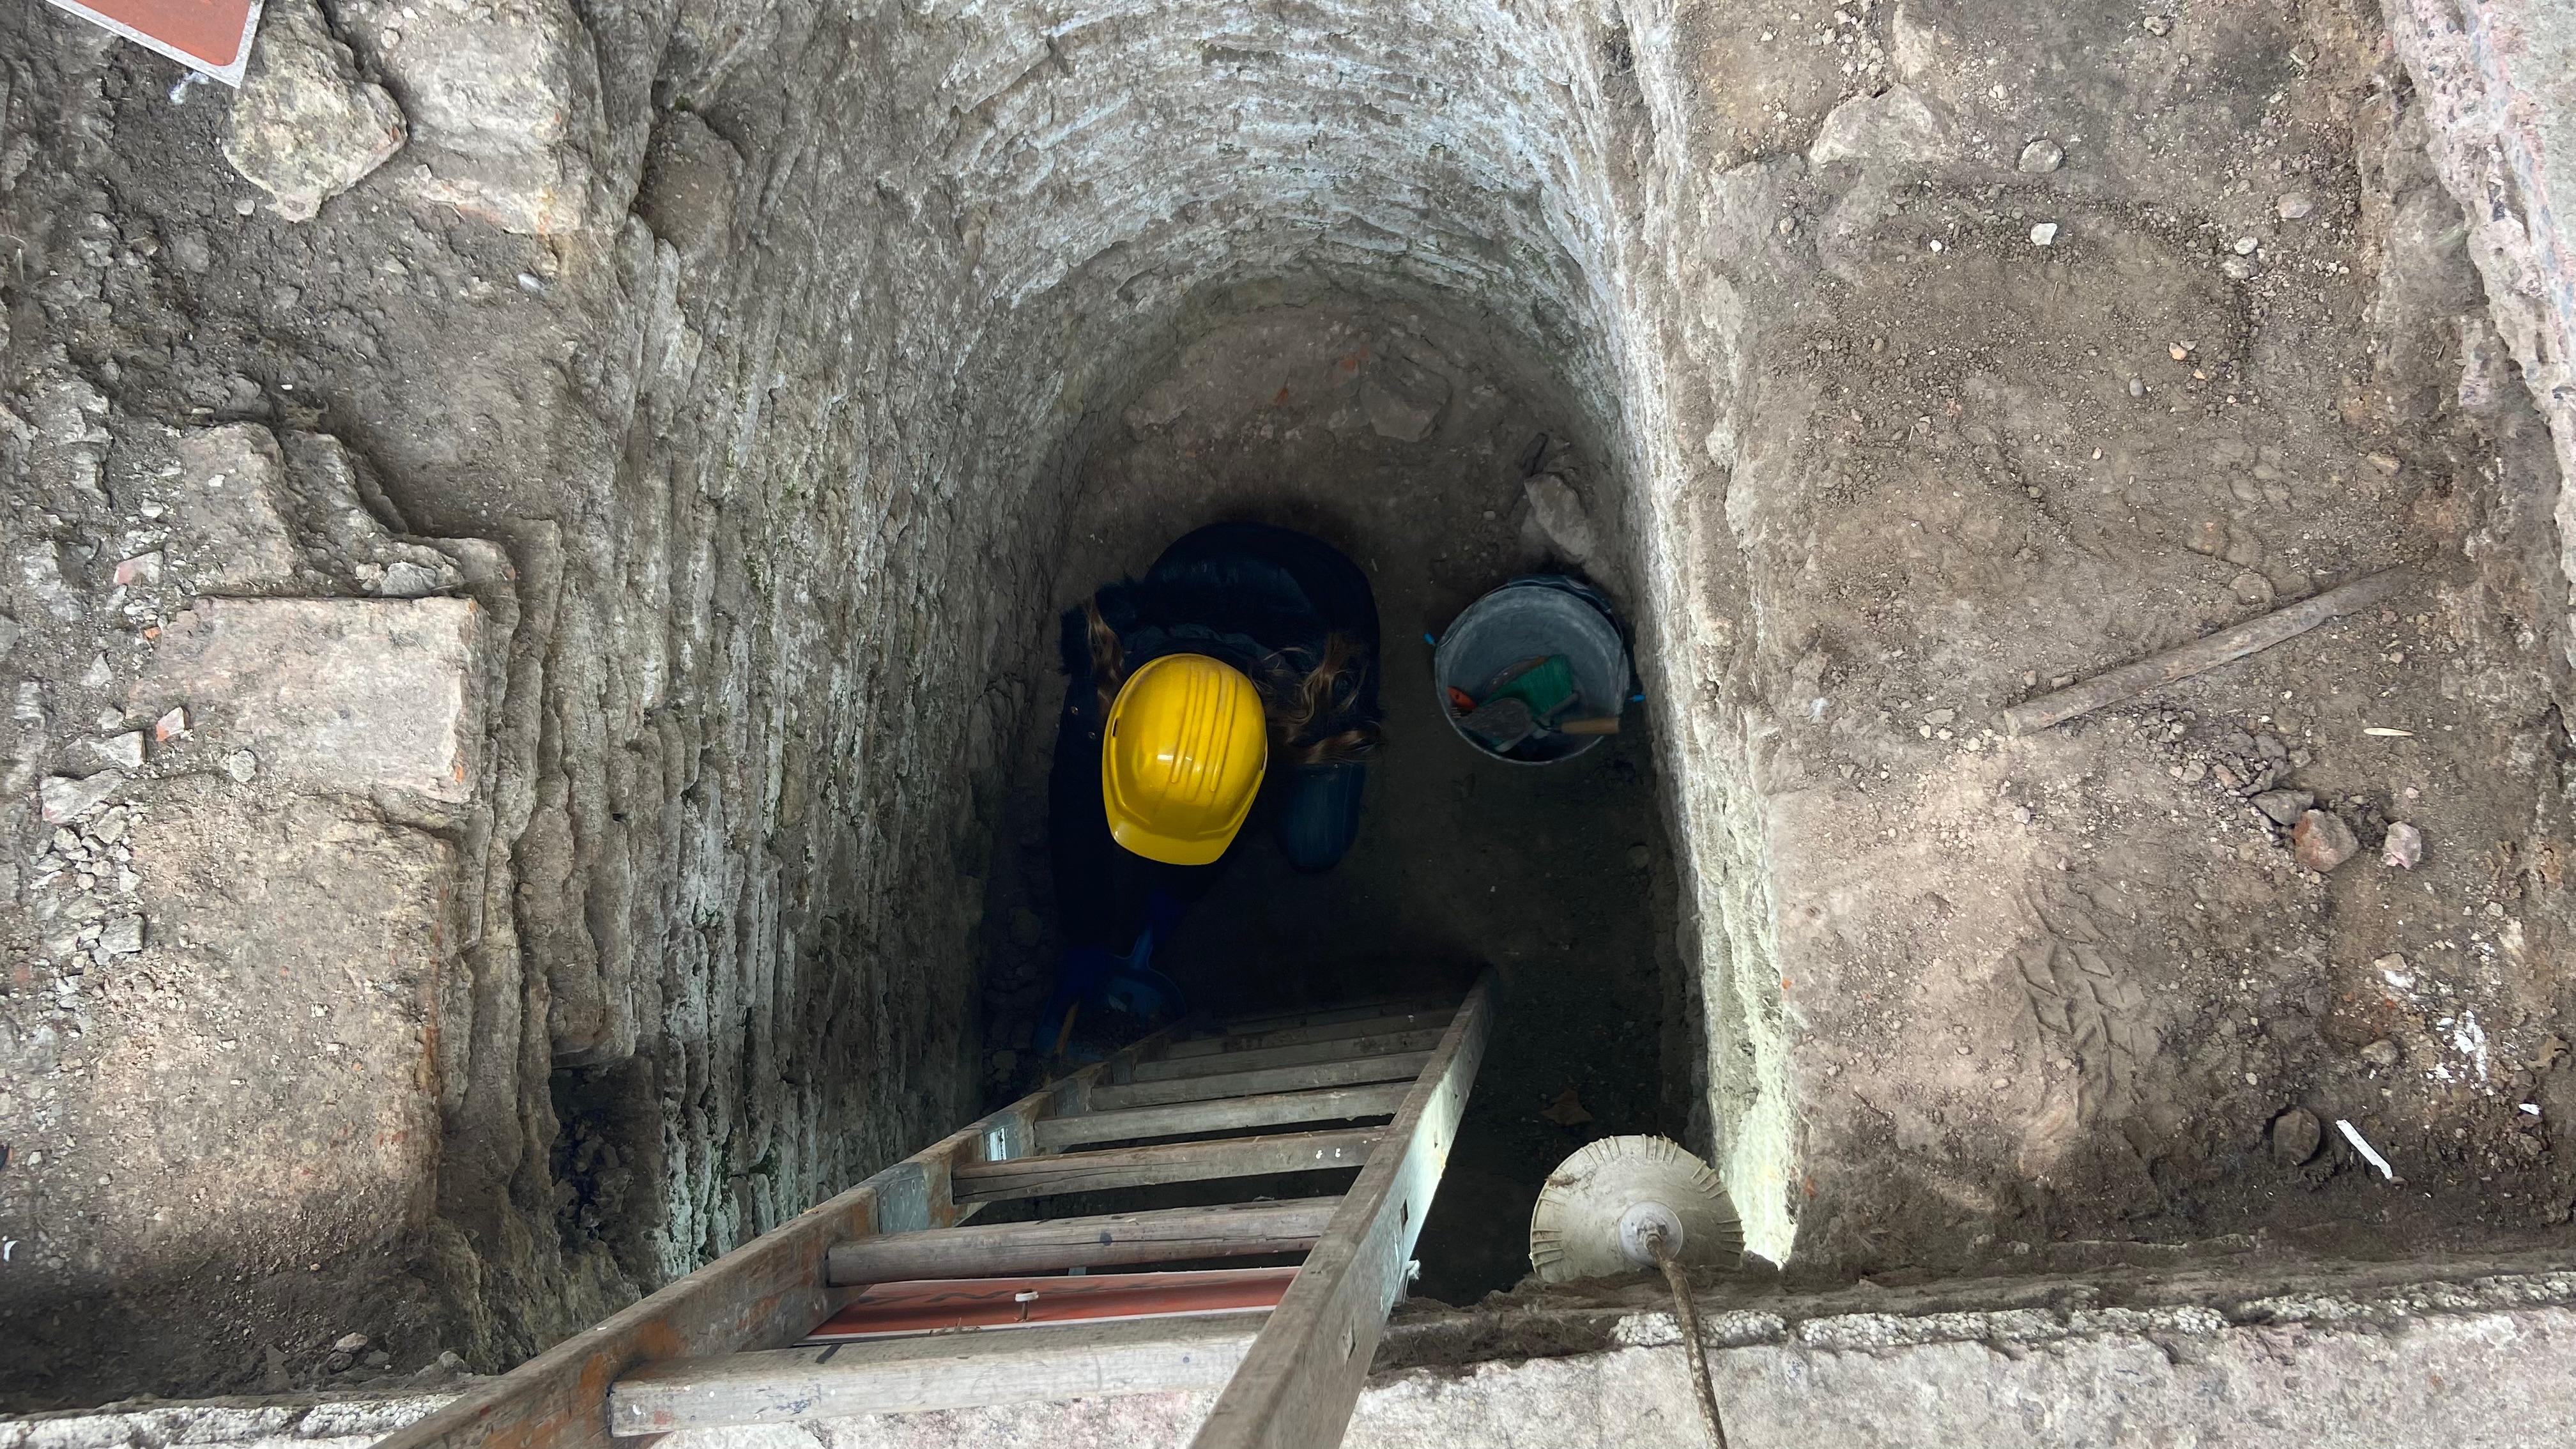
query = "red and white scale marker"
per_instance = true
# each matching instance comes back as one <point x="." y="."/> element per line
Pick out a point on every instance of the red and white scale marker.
<point x="212" y="36"/>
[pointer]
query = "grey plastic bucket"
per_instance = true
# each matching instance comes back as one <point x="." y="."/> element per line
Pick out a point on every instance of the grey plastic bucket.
<point x="1530" y="616"/>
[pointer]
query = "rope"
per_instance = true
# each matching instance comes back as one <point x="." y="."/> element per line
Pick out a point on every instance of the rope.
<point x="1693" y="1343"/>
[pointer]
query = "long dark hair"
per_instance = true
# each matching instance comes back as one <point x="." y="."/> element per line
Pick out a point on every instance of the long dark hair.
<point x="1296" y="698"/>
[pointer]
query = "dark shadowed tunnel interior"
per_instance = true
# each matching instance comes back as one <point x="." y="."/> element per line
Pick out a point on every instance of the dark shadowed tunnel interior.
<point x="1408" y="441"/>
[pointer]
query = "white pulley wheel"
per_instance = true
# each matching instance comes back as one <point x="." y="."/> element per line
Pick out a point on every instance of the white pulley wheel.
<point x="1594" y="1214"/>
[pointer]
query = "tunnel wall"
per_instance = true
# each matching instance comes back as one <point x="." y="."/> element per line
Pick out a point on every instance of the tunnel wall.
<point x="956" y="231"/>
<point x="2500" y="139"/>
<point x="763" y="339"/>
<point x="1054" y="195"/>
<point x="1042" y="197"/>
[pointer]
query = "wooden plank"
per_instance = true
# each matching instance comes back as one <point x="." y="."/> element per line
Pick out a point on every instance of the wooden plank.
<point x="1292" y="1054"/>
<point x="2206" y="652"/>
<point x="959" y="1305"/>
<point x="933" y="1371"/>
<point x="1297" y="1385"/>
<point x="764" y="1294"/>
<point x="1223" y="1114"/>
<point x="1172" y="1235"/>
<point x="1400" y="1066"/>
<point x="1170" y="1162"/>
<point x="1291" y="1035"/>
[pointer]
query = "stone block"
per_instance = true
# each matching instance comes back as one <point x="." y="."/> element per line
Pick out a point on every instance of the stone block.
<point x="306" y="125"/>
<point x="41" y="578"/>
<point x="347" y="695"/>
<point x="1403" y="399"/>
<point x="504" y="105"/>
<point x="27" y="742"/>
<point x="229" y="528"/>
<point x="329" y="486"/>
<point x="1895" y="127"/>
<point x="1558" y="512"/>
<point x="2491" y="79"/>
<point x="692" y="177"/>
<point x="67" y="798"/>
<point x="366" y="1420"/>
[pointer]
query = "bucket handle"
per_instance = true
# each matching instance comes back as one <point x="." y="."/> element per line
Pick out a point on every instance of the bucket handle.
<point x="1637" y="692"/>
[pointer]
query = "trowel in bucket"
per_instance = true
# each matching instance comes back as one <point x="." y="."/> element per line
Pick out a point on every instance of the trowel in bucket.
<point x="1545" y="683"/>
<point x="1500" y="723"/>
<point x="1503" y="723"/>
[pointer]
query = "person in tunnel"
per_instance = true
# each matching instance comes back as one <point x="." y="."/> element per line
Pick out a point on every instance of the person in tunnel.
<point x="1238" y="677"/>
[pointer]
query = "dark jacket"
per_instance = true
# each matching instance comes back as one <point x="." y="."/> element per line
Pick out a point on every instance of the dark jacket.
<point x="1261" y="598"/>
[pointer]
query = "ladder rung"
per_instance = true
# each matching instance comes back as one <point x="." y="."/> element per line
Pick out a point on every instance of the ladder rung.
<point x="932" y="1371"/>
<point x="1051" y="1173"/>
<point x="1294" y="1054"/>
<point x="1222" y="1114"/>
<point x="1170" y="1235"/>
<point x="1326" y="1016"/>
<point x="767" y="1291"/>
<point x="1206" y="1046"/>
<point x="965" y="1305"/>
<point x="1400" y="1066"/>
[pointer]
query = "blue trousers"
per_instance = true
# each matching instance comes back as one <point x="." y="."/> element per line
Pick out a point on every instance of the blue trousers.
<point x="1318" y="816"/>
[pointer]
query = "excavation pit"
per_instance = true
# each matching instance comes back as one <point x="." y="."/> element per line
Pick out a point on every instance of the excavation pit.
<point x="702" y="451"/>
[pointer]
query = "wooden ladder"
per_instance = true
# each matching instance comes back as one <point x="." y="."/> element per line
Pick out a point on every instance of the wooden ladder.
<point x="852" y="1307"/>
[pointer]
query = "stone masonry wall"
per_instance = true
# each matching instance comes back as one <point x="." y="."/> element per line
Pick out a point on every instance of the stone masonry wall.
<point x="2323" y="1354"/>
<point x="2493" y="78"/>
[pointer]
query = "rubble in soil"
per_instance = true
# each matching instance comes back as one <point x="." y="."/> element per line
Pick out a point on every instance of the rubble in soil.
<point x="2083" y="973"/>
<point x="282" y="794"/>
<point x="250" y="711"/>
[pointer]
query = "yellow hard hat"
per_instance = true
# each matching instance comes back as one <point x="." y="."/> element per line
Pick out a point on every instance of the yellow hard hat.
<point x="1182" y="758"/>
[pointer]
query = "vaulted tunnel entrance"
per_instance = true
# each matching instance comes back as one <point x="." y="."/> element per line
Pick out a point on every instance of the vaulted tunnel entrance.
<point x="1412" y="442"/>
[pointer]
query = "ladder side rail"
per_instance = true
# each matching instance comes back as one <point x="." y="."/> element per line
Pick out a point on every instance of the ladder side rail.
<point x="767" y="1293"/>
<point x="1298" y="1384"/>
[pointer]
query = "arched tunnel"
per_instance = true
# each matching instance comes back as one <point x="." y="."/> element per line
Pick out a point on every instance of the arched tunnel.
<point x="1164" y="283"/>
